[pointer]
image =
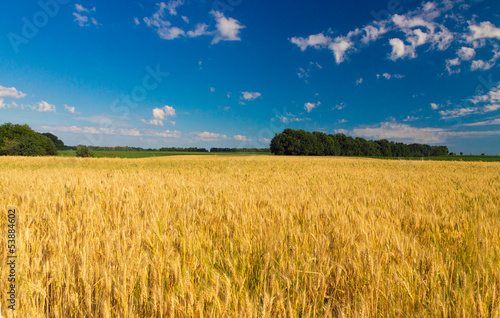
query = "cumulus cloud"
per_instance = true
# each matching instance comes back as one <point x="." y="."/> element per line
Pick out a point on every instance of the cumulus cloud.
<point x="249" y="96"/>
<point x="227" y="29"/>
<point x="485" y="30"/>
<point x="359" y="81"/>
<point x="11" y="92"/>
<point x="159" y="115"/>
<point x="310" y="106"/>
<point x="400" y="50"/>
<point x="43" y="106"/>
<point x="418" y="27"/>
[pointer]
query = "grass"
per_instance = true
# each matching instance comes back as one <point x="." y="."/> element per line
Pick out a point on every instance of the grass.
<point x="253" y="236"/>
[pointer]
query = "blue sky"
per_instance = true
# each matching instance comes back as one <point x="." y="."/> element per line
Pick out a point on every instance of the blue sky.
<point x="233" y="73"/>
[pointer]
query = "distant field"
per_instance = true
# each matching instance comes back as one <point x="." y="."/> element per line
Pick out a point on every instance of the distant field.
<point x="149" y="154"/>
<point x="449" y="158"/>
<point x="252" y="236"/>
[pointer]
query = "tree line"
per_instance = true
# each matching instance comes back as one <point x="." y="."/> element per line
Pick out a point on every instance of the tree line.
<point x="21" y="140"/>
<point x="304" y="143"/>
<point x="127" y="148"/>
<point x="253" y="150"/>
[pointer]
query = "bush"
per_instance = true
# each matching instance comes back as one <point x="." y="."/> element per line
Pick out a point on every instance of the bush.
<point x="84" y="152"/>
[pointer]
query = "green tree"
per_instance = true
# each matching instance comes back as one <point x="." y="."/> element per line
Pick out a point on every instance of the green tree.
<point x="84" y="152"/>
<point x="21" y="140"/>
<point x="59" y="144"/>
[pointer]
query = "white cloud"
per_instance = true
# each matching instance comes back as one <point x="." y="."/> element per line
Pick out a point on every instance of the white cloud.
<point x="82" y="16"/>
<point x="480" y="65"/>
<point x="287" y="120"/>
<point x="170" y="33"/>
<point x="419" y="28"/>
<point x="466" y="53"/>
<point x="227" y="29"/>
<point x="200" y="29"/>
<point x="212" y="89"/>
<point x="339" y="106"/>
<point x="159" y="115"/>
<point x="163" y="27"/>
<point x="241" y="138"/>
<point x="411" y="118"/>
<point x="43" y="106"/>
<point x="3" y="105"/>
<point x="81" y="20"/>
<point x="485" y="30"/>
<point x="136" y="21"/>
<point x="172" y="6"/>
<point x="339" y="47"/>
<point x="483" y="104"/>
<point x="317" y="41"/>
<point x="250" y="95"/>
<point x="11" y="92"/>
<point x="341" y="131"/>
<point x="485" y="123"/>
<point x="71" y="110"/>
<point x="393" y="130"/>
<point x="310" y="106"/>
<point x="208" y="136"/>
<point x="401" y="50"/>
<point x="359" y="81"/>
<point x="114" y="131"/>
<point x="388" y="76"/>
<point x="435" y="106"/>
<point x="80" y="8"/>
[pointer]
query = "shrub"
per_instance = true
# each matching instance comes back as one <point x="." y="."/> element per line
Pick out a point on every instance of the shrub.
<point x="84" y="152"/>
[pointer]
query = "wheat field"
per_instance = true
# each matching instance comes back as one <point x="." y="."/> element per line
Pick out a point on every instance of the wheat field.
<point x="254" y="236"/>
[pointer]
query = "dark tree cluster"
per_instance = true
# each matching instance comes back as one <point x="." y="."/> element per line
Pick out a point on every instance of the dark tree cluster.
<point x="304" y="143"/>
<point x="21" y="140"/>
<point x="253" y="150"/>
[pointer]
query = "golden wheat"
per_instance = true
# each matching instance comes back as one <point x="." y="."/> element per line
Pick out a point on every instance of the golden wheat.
<point x="252" y="237"/>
